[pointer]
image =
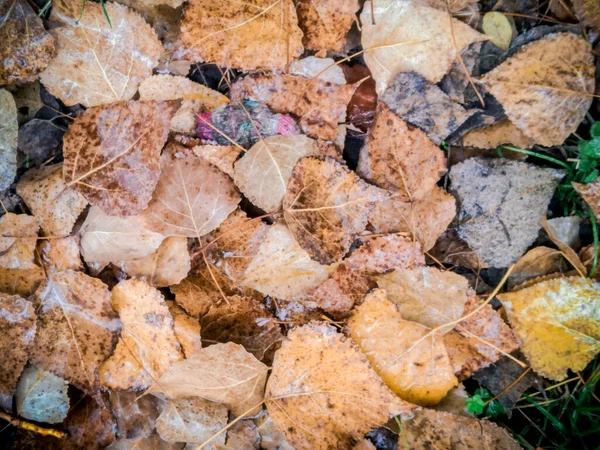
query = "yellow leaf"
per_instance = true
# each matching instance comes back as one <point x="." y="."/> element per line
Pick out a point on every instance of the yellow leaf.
<point x="498" y="28"/>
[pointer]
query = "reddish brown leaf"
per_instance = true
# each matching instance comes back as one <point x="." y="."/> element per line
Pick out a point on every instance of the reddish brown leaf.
<point x="325" y="23"/>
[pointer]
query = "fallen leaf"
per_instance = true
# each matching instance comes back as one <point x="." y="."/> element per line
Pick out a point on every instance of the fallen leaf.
<point x="98" y="63"/>
<point x="456" y="82"/>
<point x="410" y="360"/>
<point x="537" y="262"/>
<point x="557" y="322"/>
<point x="262" y="35"/>
<point x="591" y="194"/>
<point x="319" y="105"/>
<point x="325" y="69"/>
<point x="60" y="254"/>
<point x="135" y="414"/>
<point x="153" y="442"/>
<point x="504" y="132"/>
<point x="42" y="396"/>
<point x="148" y="346"/>
<point x="112" y="154"/>
<point x="223" y="157"/>
<point x="497" y="26"/>
<point x="364" y="444"/>
<point x="586" y="256"/>
<point x="26" y="45"/>
<point x="455" y="401"/>
<point x="451" y="249"/>
<point x="426" y="46"/>
<point x="22" y="282"/>
<point x="325" y="24"/>
<point x="501" y="205"/>
<point x="566" y="230"/>
<point x="232" y="376"/>
<point x="17" y="250"/>
<point x="77" y="328"/>
<point x="243" y="435"/>
<point x="400" y="158"/>
<point x="192" y="197"/>
<point x="544" y="105"/>
<point x="28" y="100"/>
<point x="587" y="12"/>
<point x="187" y="329"/>
<point x="426" y="295"/>
<point x="18" y="327"/>
<point x="195" y="97"/>
<point x="323" y="394"/>
<point x="271" y="437"/>
<point x="90" y="424"/>
<point x="9" y="130"/>
<point x="198" y="291"/>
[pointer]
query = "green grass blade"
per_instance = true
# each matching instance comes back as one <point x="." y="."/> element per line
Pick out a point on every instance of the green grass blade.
<point x="537" y="155"/>
<point x="557" y="424"/>
<point x="592" y="217"/>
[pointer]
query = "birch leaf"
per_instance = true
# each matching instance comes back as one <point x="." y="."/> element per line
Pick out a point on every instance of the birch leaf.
<point x="42" y="396"/>
<point x="60" y="254"/>
<point x="18" y="251"/>
<point x="9" y="130"/>
<point x="504" y="132"/>
<point x="135" y="414"/>
<point x="187" y="329"/>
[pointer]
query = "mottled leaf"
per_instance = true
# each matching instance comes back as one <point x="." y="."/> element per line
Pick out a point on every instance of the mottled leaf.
<point x="9" y="130"/>
<point x="325" y="23"/>
<point x="591" y="194"/>
<point x="223" y="157"/>
<point x="187" y="329"/>
<point x="18" y="240"/>
<point x="42" y="396"/>
<point x="60" y="254"/>
<point x="504" y="132"/>
<point x="135" y="414"/>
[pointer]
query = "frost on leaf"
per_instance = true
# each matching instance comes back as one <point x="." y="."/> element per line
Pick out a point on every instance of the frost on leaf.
<point x="192" y="197"/>
<point x="17" y="326"/>
<point x="426" y="295"/>
<point x="26" y="45"/>
<point x="18" y="237"/>
<point x="264" y="171"/>
<point x="222" y="373"/>
<point x="148" y="346"/>
<point x="42" y="396"/>
<point x="282" y="269"/>
<point x="405" y="37"/>
<point x="557" y="322"/>
<point x="260" y="34"/>
<point x="322" y="392"/>
<point x="400" y="158"/>
<point x="187" y="329"/>
<point x="77" y="328"/>
<point x="326" y="23"/>
<point x="319" y="105"/>
<point x="591" y="194"/>
<point x="97" y="63"/>
<point x="9" y="129"/>
<point x="326" y="206"/>
<point x="60" y="254"/>
<point x="546" y="87"/>
<point x="112" y="153"/>
<point x="135" y="414"/>
<point x="410" y="360"/>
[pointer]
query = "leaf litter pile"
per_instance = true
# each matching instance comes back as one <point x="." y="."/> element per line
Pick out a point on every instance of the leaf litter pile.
<point x="279" y="224"/>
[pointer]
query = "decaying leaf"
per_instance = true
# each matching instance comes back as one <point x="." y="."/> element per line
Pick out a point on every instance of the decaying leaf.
<point x="400" y="158"/>
<point x="187" y="329"/>
<point x="97" y="63"/>
<point x="451" y="249"/>
<point x="558" y="323"/>
<point x="154" y="442"/>
<point x="42" y="396"/>
<point x="565" y="230"/>
<point x="410" y="360"/>
<point x="546" y="87"/>
<point x="148" y="346"/>
<point x="22" y="282"/>
<point x="324" y="69"/>
<point x="325" y="24"/>
<point x="221" y="156"/>
<point x="17" y="326"/>
<point x="90" y="424"/>
<point x="60" y="254"/>
<point x="587" y="12"/>
<point x="537" y="262"/>
<point x="26" y="46"/>
<point x="195" y="97"/>
<point x="271" y="437"/>
<point x="426" y="46"/>
<point x="426" y="295"/>
<point x="18" y="238"/>
<point x="9" y="130"/>
<point x="323" y="394"/>
<point x="222" y="373"/>
<point x="591" y="194"/>
<point x="264" y="34"/>
<point x="319" y="105"/>
<point x="56" y="206"/>
<point x="77" y="328"/>
<point x="192" y="197"/>
<point x="326" y="206"/>
<point x="504" y="132"/>
<point x="135" y="414"/>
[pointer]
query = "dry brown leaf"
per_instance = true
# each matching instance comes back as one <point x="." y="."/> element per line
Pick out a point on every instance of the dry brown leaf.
<point x="42" y="396"/>
<point x="264" y="171"/>
<point x="591" y="194"/>
<point x="426" y="295"/>
<point x="148" y="346"/>
<point x="569" y="254"/>
<point x="451" y="249"/>
<point x="18" y="251"/>
<point x="319" y="105"/>
<point x="243" y="435"/>
<point x="503" y="132"/>
<point x="89" y="425"/>
<point x="586" y="256"/>
<point x="455" y="401"/>
<point x="323" y="394"/>
<point x="195" y="97"/>
<point x="97" y="63"/>
<point x="168" y="265"/>
<point x="425" y="45"/>
<point x="221" y="156"/>
<point x="326" y="206"/>
<point x="271" y="437"/>
<point x="153" y="442"/>
<point x="26" y="46"/>
<point x="263" y="34"/>
<point x="60" y="254"/>
<point x="222" y="373"/>
<point x="77" y="328"/>
<point x="545" y="88"/>
<point x="425" y="219"/>
<point x="198" y="291"/>
<point x="537" y="262"/>
<point x="17" y="326"/>
<point x="21" y="281"/>
<point x="325" y="23"/>
<point x="187" y="329"/>
<point x="410" y="360"/>
<point x="324" y="69"/>
<point x="400" y="158"/>
<point x="192" y="197"/>
<point x="9" y="130"/>
<point x="135" y="414"/>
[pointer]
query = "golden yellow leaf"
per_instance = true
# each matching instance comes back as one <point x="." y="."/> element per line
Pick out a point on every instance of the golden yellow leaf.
<point x="504" y="132"/>
<point x="497" y="26"/>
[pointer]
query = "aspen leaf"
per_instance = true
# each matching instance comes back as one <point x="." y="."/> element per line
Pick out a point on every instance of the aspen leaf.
<point x="90" y="423"/>
<point x="324" y="69"/>
<point x="9" y="130"/>
<point x="322" y="392"/>
<point x="135" y="414"/>
<point x="243" y="435"/>
<point x="22" y="282"/>
<point x="97" y="63"/>
<point x="537" y="262"/>
<point x="587" y="12"/>
<point x="60" y="254"/>
<point x="591" y="194"/>
<point x="223" y="157"/>
<point x="414" y="365"/>
<point x="187" y="329"/>
<point x="42" y="396"/>
<point x="203" y="287"/>
<point x="18" y="251"/>
<point x="557" y="322"/>
<point x="504" y="132"/>
<point x="271" y="437"/>
<point x="153" y="442"/>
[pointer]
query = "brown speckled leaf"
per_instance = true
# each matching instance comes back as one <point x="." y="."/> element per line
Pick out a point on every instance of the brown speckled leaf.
<point x="77" y="328"/>
<point x="591" y="194"/>
<point x="326" y="23"/>
<point x="21" y="281"/>
<point x="9" y="129"/>
<point x="60" y="254"/>
<point x="112" y="154"/>
<point x="221" y="156"/>
<point x="258" y="34"/>
<point x="17" y="249"/>
<point x="187" y="329"/>
<point x="326" y="206"/>
<point x="148" y="346"/>
<point x="545" y="88"/>
<point x="17" y="327"/>
<point x="587" y="11"/>
<point x="135" y="414"/>
<point x="503" y="132"/>
<point x="322" y="392"/>
<point x="319" y="105"/>
<point x="192" y="197"/>
<point x="26" y="46"/>
<point x="95" y="63"/>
